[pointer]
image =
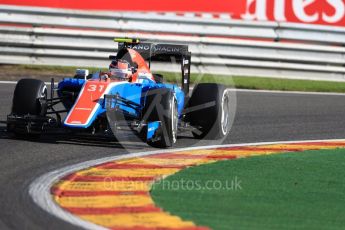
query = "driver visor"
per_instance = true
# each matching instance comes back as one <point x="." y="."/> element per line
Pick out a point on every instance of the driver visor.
<point x="119" y="73"/>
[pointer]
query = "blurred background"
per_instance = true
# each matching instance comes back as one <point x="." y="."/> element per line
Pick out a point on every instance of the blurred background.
<point x="279" y="39"/>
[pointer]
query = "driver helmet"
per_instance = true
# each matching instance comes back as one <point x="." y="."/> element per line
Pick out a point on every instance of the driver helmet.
<point x="120" y="69"/>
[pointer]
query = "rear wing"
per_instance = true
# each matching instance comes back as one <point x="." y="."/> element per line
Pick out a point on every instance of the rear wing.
<point x="164" y="53"/>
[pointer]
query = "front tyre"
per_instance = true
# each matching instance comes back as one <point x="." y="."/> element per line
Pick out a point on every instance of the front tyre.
<point x="26" y="97"/>
<point x="162" y="107"/>
<point x="27" y="101"/>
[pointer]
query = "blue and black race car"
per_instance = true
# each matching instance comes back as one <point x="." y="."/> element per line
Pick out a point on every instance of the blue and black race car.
<point x="128" y="96"/>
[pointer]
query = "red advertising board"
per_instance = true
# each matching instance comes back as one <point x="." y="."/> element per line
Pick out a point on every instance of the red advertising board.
<point x="325" y="12"/>
<point x="234" y="6"/>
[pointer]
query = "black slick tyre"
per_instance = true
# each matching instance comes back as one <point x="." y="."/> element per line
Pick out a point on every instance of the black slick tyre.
<point x="27" y="98"/>
<point x="209" y="111"/>
<point x="162" y="106"/>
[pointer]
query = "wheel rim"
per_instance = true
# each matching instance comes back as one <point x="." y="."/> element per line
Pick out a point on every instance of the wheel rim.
<point x="44" y="92"/>
<point x="174" y="121"/>
<point x="44" y="97"/>
<point x="225" y="113"/>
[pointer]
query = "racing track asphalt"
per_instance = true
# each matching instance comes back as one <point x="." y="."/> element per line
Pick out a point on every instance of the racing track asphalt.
<point x="259" y="117"/>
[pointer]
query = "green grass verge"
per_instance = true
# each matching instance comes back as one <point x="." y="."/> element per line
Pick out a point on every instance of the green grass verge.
<point x="70" y="70"/>
<point x="289" y="191"/>
<point x="261" y="83"/>
<point x="233" y="81"/>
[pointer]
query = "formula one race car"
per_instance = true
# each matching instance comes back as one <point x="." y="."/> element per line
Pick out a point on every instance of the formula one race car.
<point x="128" y="96"/>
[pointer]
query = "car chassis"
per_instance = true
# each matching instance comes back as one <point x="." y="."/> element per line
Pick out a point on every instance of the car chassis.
<point x="120" y="112"/>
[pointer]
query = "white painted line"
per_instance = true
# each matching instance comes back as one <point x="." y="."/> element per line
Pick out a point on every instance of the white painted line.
<point x="287" y="92"/>
<point x="15" y="82"/>
<point x="8" y="82"/>
<point x="39" y="189"/>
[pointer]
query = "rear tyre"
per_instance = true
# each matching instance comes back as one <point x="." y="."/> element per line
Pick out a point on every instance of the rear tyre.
<point x="162" y="106"/>
<point x="210" y="111"/>
<point x="27" y="101"/>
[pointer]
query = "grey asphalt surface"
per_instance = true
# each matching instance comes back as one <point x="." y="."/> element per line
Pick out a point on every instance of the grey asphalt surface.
<point x="258" y="117"/>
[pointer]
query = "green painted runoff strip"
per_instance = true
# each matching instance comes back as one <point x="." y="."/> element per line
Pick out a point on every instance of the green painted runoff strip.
<point x="304" y="190"/>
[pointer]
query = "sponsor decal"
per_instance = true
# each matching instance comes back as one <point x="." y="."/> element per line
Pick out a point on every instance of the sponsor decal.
<point x="327" y="12"/>
<point x="158" y="48"/>
<point x="170" y="49"/>
<point x="145" y="47"/>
